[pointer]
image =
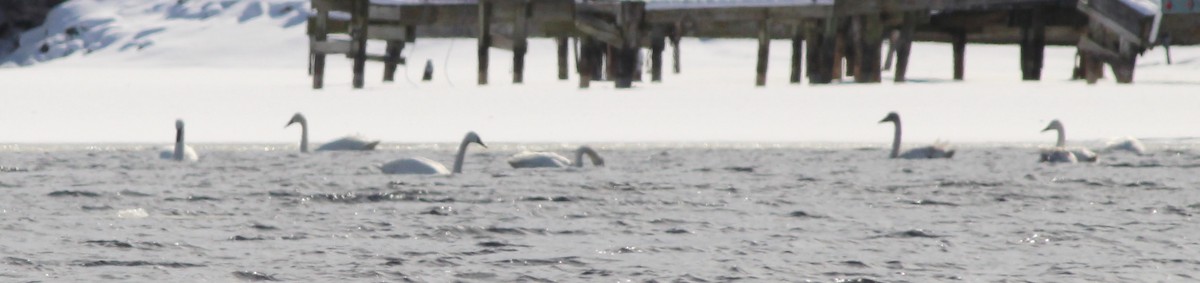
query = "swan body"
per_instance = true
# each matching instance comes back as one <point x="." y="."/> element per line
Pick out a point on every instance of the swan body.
<point x="415" y="165"/>
<point x="425" y="166"/>
<point x="937" y="150"/>
<point x="1129" y="144"/>
<point x="179" y="151"/>
<point x="1063" y="154"/>
<point x="345" y="143"/>
<point x="553" y="160"/>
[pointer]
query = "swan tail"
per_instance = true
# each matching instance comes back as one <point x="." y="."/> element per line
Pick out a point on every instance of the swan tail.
<point x="370" y="145"/>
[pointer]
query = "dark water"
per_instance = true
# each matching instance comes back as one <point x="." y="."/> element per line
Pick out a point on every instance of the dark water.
<point x="659" y="213"/>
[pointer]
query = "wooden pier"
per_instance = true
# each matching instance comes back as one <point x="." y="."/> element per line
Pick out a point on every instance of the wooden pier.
<point x="832" y="40"/>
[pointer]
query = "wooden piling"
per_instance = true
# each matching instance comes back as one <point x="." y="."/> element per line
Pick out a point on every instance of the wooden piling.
<point x="892" y="38"/>
<point x="318" y="58"/>
<point x="485" y="39"/>
<point x="764" y="46"/>
<point x="871" y="44"/>
<point x="629" y="22"/>
<point x="1033" y="44"/>
<point x="583" y="62"/>
<point x="359" y="35"/>
<point x="676" y="33"/>
<point x="562" y="57"/>
<point x="812" y="64"/>
<point x="854" y="47"/>
<point x="904" y="46"/>
<point x="797" y="52"/>
<point x="657" y="44"/>
<point x="1122" y="69"/>
<point x="391" y="59"/>
<point x="520" y="41"/>
<point x="960" y="48"/>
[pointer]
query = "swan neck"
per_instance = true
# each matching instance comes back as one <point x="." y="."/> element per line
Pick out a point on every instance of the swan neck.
<point x="896" y="140"/>
<point x="462" y="154"/>
<point x="178" y="144"/>
<point x="578" y="158"/>
<point x="303" y="137"/>
<point x="1062" y="137"/>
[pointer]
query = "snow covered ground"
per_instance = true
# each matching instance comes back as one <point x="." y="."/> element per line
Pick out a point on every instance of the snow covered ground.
<point x="235" y="71"/>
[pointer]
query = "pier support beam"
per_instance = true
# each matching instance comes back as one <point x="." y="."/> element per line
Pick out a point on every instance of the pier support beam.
<point x="870" y="45"/>
<point x="826" y="53"/>
<point x="676" y="34"/>
<point x="629" y="22"/>
<point x="813" y="57"/>
<point x="318" y="58"/>
<point x="1033" y="44"/>
<point x="764" y="48"/>
<point x="797" y="53"/>
<point x="359" y="35"/>
<point x="520" y="41"/>
<point x="590" y="65"/>
<point x="485" y="39"/>
<point x="904" y="46"/>
<point x="391" y="59"/>
<point x="657" y="44"/>
<point x="960" y="48"/>
<point x="562" y="57"/>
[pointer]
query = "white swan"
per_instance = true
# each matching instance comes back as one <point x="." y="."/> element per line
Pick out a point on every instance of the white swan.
<point x="180" y="151"/>
<point x="345" y="143"/>
<point x="1060" y="153"/>
<point x="421" y="165"/>
<point x="937" y="150"/>
<point x="1129" y="144"/>
<point x="553" y="160"/>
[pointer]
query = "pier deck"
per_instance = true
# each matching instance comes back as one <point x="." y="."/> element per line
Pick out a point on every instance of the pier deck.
<point x="833" y="40"/>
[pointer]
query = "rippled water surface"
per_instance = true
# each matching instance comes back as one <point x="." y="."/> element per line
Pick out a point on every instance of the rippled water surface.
<point x="692" y="213"/>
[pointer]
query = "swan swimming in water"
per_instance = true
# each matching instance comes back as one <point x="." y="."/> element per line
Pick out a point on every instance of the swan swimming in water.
<point x="421" y="165"/>
<point x="1129" y="144"/>
<point x="345" y="143"/>
<point x="180" y="151"/>
<point x="1060" y="153"/>
<point x="553" y="160"/>
<point x="937" y="150"/>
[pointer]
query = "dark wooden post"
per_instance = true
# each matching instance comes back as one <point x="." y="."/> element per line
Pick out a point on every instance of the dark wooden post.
<point x="827" y="66"/>
<point x="764" y="48"/>
<point x="797" y="52"/>
<point x="562" y="57"/>
<point x="854" y="47"/>
<point x="520" y="40"/>
<point x="904" y="46"/>
<point x="676" y="34"/>
<point x="871" y="38"/>
<point x="629" y="22"/>
<point x="359" y="18"/>
<point x="657" y="44"/>
<point x="1033" y="45"/>
<point x="1122" y="68"/>
<point x="485" y="39"/>
<point x="392" y="58"/>
<point x="318" y="58"/>
<point x="960" y="48"/>
<point x="813" y="58"/>
<point x="892" y="38"/>
<point x="584" y="61"/>
<point x="1093" y="68"/>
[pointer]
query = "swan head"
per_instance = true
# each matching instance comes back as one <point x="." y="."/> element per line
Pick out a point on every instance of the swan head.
<point x="298" y="118"/>
<point x="472" y="137"/>
<point x="891" y="117"/>
<point x="178" y="124"/>
<point x="1054" y="125"/>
